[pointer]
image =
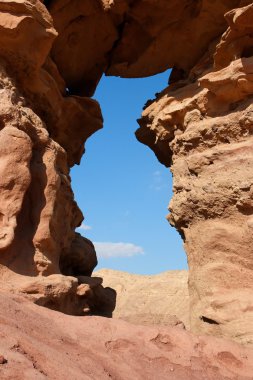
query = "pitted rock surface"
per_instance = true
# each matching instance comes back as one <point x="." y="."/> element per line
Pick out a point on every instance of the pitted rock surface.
<point x="202" y="127"/>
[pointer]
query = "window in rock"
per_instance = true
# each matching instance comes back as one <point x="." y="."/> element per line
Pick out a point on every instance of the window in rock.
<point x="121" y="187"/>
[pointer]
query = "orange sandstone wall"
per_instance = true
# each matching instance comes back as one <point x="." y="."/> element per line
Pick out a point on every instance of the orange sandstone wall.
<point x="202" y="126"/>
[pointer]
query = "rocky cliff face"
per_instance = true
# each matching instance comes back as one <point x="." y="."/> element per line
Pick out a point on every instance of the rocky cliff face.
<point x="52" y="56"/>
<point x="42" y="134"/>
<point x="201" y="126"/>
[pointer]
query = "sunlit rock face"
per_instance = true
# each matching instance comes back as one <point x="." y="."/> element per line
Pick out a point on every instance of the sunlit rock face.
<point x="202" y="126"/>
<point x="42" y="134"/>
<point x="52" y="56"/>
<point x="37" y="343"/>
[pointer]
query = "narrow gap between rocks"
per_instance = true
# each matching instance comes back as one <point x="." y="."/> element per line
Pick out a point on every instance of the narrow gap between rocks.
<point x="123" y="190"/>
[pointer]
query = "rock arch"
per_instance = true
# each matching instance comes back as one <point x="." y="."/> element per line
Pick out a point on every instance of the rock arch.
<point x="201" y="126"/>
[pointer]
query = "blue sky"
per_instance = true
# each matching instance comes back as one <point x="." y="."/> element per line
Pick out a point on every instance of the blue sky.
<point x="121" y="187"/>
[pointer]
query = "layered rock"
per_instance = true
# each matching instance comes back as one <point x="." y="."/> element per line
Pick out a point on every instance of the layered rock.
<point x="37" y="343"/>
<point x="202" y="127"/>
<point x="157" y="300"/>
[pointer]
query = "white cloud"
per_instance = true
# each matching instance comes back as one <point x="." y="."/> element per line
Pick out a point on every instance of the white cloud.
<point x="157" y="181"/>
<point x="84" y="227"/>
<point x="107" y="250"/>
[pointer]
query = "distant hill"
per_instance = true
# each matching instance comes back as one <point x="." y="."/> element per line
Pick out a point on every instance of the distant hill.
<point x="161" y="299"/>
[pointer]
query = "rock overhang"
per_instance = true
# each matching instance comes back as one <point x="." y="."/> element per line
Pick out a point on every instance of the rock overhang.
<point x="132" y="39"/>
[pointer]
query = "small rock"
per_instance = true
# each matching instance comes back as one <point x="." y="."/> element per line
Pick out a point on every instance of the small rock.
<point x="3" y="360"/>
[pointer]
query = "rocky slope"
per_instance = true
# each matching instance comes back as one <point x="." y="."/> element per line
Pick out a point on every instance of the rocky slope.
<point x="37" y="343"/>
<point x="161" y="299"/>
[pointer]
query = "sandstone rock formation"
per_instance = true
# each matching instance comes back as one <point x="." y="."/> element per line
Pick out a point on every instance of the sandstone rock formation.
<point x="42" y="135"/>
<point x="131" y="38"/>
<point x="52" y="56"/>
<point x="161" y="299"/>
<point x="202" y="126"/>
<point x="37" y="343"/>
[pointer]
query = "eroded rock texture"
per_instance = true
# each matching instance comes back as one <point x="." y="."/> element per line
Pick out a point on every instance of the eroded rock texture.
<point x="52" y="56"/>
<point x="42" y="135"/>
<point x="202" y="126"/>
